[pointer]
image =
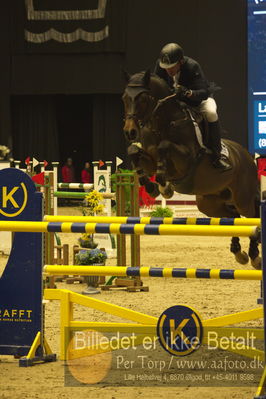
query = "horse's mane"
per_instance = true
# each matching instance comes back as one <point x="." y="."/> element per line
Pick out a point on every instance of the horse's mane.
<point x="137" y="78"/>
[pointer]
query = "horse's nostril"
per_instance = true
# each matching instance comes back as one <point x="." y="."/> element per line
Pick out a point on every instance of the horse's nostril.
<point x="131" y="134"/>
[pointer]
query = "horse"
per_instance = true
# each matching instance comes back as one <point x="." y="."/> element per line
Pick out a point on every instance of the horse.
<point x="160" y="131"/>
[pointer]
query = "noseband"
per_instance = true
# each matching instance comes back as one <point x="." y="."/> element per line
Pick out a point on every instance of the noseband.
<point x="133" y="91"/>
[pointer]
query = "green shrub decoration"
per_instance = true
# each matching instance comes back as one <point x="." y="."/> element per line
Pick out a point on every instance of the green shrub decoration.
<point x="161" y="212"/>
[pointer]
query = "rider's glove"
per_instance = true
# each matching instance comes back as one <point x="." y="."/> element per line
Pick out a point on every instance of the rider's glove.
<point x="183" y="92"/>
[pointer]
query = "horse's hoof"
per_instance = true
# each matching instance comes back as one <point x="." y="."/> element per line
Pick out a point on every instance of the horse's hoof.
<point x="242" y="257"/>
<point x="167" y="192"/>
<point x="256" y="263"/>
<point x="152" y="189"/>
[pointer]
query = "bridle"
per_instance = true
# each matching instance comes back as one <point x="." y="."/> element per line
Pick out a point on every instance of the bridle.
<point x="178" y="122"/>
<point x="133" y="91"/>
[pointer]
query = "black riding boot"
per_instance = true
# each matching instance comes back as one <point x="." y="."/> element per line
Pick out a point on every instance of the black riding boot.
<point x="218" y="161"/>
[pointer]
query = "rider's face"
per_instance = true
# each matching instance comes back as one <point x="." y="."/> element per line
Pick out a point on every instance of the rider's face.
<point x="174" y="69"/>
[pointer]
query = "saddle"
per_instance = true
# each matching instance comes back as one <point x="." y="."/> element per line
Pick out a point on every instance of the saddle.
<point x="202" y="131"/>
<point x="201" y="125"/>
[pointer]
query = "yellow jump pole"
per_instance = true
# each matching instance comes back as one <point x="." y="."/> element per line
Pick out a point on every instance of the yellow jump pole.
<point x="170" y="272"/>
<point x="154" y="220"/>
<point x="138" y="229"/>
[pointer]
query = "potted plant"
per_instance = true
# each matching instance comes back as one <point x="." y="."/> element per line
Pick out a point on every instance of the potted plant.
<point x="88" y="257"/>
<point x="93" y="206"/>
<point x="4" y="156"/>
<point x="4" y="151"/>
<point x="91" y="257"/>
<point x="86" y="241"/>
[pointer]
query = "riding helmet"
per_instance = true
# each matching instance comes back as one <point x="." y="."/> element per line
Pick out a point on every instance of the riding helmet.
<point x="170" y="55"/>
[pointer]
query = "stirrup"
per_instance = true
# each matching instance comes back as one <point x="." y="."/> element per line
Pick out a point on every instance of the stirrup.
<point x="221" y="163"/>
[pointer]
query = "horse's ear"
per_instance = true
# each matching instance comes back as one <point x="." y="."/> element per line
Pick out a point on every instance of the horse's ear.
<point x="126" y="75"/>
<point x="146" y="78"/>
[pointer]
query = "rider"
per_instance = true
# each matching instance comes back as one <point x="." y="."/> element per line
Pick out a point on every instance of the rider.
<point x="177" y="69"/>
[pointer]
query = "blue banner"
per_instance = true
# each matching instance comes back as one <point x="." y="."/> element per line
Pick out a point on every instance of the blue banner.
<point x="257" y="75"/>
<point x="21" y="282"/>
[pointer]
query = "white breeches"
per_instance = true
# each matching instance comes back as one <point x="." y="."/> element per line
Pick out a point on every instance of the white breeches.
<point x="209" y="109"/>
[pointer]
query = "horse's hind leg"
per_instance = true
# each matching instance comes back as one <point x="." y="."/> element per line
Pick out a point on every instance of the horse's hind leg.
<point x="240" y="256"/>
<point x="253" y="251"/>
<point x="215" y="206"/>
<point x="252" y="209"/>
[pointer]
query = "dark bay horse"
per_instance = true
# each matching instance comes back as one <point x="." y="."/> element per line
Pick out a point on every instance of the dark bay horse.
<point x="162" y="141"/>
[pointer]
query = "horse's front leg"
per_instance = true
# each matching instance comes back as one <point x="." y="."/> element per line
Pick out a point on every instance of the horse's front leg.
<point x="142" y="162"/>
<point x="165" y="187"/>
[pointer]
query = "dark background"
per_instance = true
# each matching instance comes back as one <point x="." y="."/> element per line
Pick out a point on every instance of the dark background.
<point x="59" y="100"/>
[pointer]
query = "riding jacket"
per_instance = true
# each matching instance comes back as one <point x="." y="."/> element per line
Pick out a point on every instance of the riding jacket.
<point x="192" y="77"/>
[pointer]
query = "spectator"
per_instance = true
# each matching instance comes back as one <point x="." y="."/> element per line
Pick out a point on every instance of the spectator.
<point x="68" y="176"/>
<point x="68" y="172"/>
<point x="85" y="173"/>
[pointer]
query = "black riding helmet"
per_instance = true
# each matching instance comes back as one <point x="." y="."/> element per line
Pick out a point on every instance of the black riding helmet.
<point x="170" y="55"/>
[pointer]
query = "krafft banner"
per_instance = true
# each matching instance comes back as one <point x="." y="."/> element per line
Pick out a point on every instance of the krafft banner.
<point x="21" y="281"/>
